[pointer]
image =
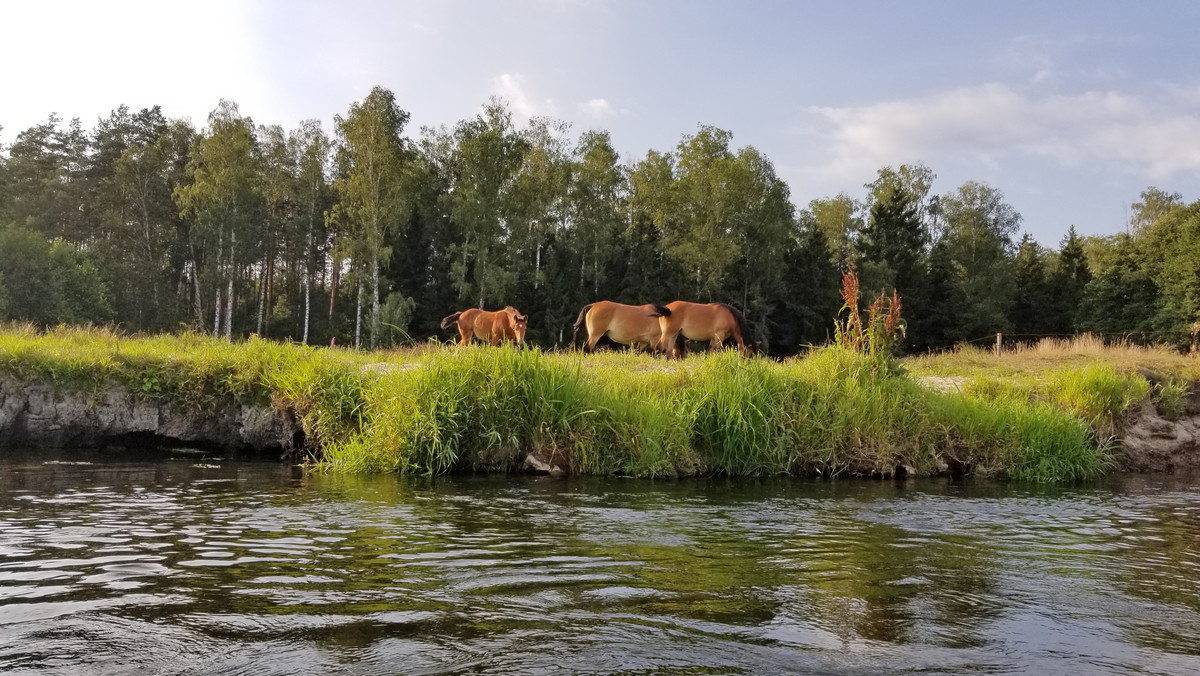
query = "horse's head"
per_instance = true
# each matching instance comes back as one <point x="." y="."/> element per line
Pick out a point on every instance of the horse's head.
<point x="752" y="347"/>
<point x="519" y="321"/>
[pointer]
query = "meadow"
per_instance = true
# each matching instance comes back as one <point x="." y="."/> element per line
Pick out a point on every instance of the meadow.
<point x="1036" y="414"/>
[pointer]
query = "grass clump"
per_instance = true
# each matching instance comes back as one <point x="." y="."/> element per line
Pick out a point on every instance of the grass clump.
<point x="1170" y="396"/>
<point x="1097" y="393"/>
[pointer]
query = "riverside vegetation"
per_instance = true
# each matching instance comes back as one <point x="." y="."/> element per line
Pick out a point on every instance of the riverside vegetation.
<point x="845" y="408"/>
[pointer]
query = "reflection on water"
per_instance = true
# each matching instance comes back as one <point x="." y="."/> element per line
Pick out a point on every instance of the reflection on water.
<point x="194" y="566"/>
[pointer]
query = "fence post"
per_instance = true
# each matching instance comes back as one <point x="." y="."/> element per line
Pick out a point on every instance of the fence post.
<point x="999" y="340"/>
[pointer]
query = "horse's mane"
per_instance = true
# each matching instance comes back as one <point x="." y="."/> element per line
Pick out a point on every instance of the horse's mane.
<point x="743" y="327"/>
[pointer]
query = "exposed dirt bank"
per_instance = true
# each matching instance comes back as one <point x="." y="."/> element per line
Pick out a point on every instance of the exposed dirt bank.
<point x="1151" y="442"/>
<point x="39" y="414"/>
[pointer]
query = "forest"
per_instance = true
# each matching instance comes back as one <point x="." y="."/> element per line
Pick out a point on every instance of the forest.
<point x="368" y="234"/>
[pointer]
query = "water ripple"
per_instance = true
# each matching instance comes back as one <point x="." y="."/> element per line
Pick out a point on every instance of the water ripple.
<point x="247" y="569"/>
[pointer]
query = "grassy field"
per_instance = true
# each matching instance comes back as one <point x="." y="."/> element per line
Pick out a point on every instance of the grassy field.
<point x="1038" y="416"/>
<point x="1096" y="380"/>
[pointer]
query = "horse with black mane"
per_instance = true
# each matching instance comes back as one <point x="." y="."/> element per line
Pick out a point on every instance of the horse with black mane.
<point x="494" y="326"/>
<point x="634" y="325"/>
<point x="712" y="322"/>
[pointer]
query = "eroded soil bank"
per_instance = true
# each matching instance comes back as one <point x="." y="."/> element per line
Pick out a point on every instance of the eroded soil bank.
<point x="1152" y="442"/>
<point x="41" y="415"/>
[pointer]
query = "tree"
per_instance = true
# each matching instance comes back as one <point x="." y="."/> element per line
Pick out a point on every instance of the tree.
<point x="310" y="148"/>
<point x="839" y="221"/>
<point x="1035" y="309"/>
<point x="223" y="200"/>
<point x="372" y="157"/>
<point x="596" y="195"/>
<point x="485" y="157"/>
<point x="539" y="226"/>
<point x="40" y="179"/>
<point x="764" y="224"/>
<point x="1068" y="279"/>
<point x="649" y="273"/>
<point x="1121" y="297"/>
<point x="806" y="297"/>
<point x="979" y="226"/>
<point x="1175" y="266"/>
<point x="131" y="172"/>
<point x="703" y="241"/>
<point x="1154" y="205"/>
<point x="938" y="323"/>
<point x="49" y="282"/>
<point x="892" y="244"/>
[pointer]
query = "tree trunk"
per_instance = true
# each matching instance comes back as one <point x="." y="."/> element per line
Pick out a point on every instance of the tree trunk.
<point x="199" y="305"/>
<point x="229" y="295"/>
<point x="270" y="278"/>
<point x="333" y="285"/>
<point x="262" y="297"/>
<point x="307" y="283"/>
<point x="375" y="326"/>
<point x="217" y="314"/>
<point x="358" y="315"/>
<point x="217" y="285"/>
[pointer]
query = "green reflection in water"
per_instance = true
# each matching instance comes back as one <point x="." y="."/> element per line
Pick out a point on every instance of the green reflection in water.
<point x="471" y="571"/>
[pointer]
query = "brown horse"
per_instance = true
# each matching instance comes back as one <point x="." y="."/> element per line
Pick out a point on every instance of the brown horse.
<point x="506" y="324"/>
<point x="632" y="325"/>
<point x="714" y="322"/>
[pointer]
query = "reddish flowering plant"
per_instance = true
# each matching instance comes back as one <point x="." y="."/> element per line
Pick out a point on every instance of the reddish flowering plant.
<point x="876" y="337"/>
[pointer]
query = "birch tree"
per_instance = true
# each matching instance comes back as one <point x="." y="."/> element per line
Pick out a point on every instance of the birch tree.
<point x="311" y="147"/>
<point x="222" y="199"/>
<point x="371" y="156"/>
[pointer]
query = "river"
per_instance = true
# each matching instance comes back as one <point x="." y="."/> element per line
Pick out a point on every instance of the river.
<point x="194" y="566"/>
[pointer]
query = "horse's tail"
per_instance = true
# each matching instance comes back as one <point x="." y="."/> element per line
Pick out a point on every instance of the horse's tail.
<point x="661" y="311"/>
<point x="743" y="328"/>
<point x="449" y="321"/>
<point x="579" y="322"/>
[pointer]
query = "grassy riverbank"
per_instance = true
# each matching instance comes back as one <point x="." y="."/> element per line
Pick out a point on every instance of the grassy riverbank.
<point x="435" y="409"/>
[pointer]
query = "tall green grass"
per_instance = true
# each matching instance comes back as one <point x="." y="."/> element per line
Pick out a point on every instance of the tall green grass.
<point x="834" y="412"/>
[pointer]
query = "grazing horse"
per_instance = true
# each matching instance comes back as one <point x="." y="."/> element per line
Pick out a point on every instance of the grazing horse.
<point x="506" y="324"/>
<point x="632" y="325"/>
<point x="714" y="322"/>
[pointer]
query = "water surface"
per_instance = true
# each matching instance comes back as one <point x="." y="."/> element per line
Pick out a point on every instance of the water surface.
<point x="190" y="566"/>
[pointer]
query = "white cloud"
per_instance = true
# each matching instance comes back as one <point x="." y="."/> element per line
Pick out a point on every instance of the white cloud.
<point x="514" y="89"/>
<point x="1155" y="137"/>
<point x="598" y="109"/>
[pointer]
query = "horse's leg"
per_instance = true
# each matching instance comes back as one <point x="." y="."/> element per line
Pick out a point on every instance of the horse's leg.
<point x="736" y="334"/>
<point x="666" y="338"/>
<point x="464" y="335"/>
<point x="669" y="345"/>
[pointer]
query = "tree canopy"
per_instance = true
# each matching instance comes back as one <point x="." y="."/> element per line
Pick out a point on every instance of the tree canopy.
<point x="366" y="235"/>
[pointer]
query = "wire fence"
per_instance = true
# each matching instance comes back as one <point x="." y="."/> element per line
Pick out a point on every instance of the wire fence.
<point x="1124" y="336"/>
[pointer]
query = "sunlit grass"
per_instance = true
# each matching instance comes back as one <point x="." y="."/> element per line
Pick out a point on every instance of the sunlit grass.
<point x="1054" y="353"/>
<point x="438" y="408"/>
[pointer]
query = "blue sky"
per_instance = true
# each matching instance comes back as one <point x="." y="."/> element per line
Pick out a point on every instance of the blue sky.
<point x="1070" y="108"/>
